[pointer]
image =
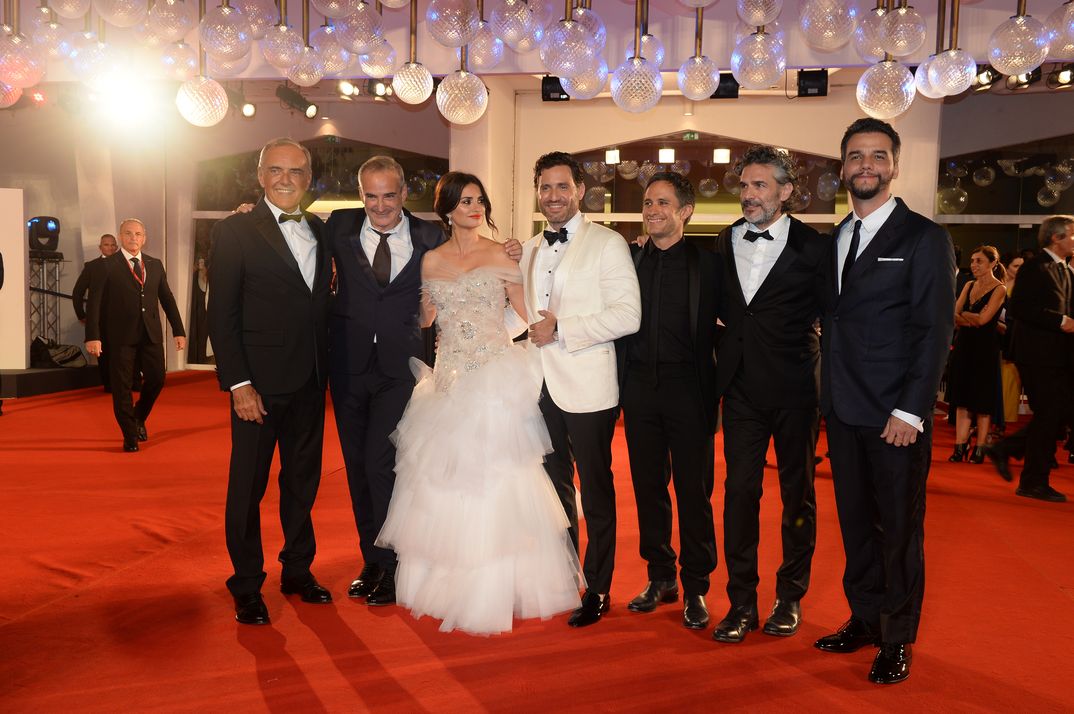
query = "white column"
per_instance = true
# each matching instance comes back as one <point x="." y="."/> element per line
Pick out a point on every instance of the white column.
<point x="14" y="296"/>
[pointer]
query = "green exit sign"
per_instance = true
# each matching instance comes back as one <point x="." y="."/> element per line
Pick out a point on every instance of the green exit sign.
<point x="690" y="136"/>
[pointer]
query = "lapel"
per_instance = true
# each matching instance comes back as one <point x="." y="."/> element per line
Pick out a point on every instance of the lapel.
<point x="732" y="264"/>
<point x="355" y="241"/>
<point x="889" y="234"/>
<point x="575" y="248"/>
<point x="317" y="227"/>
<point x="693" y="276"/>
<point x="530" y="283"/>
<point x="790" y="252"/>
<point x="270" y="231"/>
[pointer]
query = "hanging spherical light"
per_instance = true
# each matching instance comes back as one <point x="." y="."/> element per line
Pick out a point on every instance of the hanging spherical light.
<point x="732" y="182"/>
<point x="568" y="49"/>
<point x="1059" y="177"/>
<point x="546" y="11"/>
<point x="70" y="9"/>
<point x="485" y="50"/>
<point x="360" y="31"/>
<point x="1047" y="198"/>
<point x="413" y="83"/>
<point x="53" y="40"/>
<point x="261" y="14"/>
<point x="336" y="9"/>
<point x="647" y="171"/>
<point x="826" y="24"/>
<point x="637" y="85"/>
<point x="218" y="69"/>
<point x="225" y="33"/>
<point x="462" y="97"/>
<point x="587" y="84"/>
<point x="86" y="51"/>
<point x="395" y="4"/>
<point x="379" y="62"/>
<point x="902" y="32"/>
<point x="885" y="90"/>
<point x="148" y="37"/>
<point x="593" y="24"/>
<point x="452" y="23"/>
<point x="952" y="199"/>
<point x="773" y="29"/>
<point x="335" y="57"/>
<point x="308" y="70"/>
<point x="708" y="187"/>
<point x="1019" y="45"/>
<point x="9" y="95"/>
<point x="758" y="61"/>
<point x="984" y="176"/>
<point x="956" y="169"/>
<point x="681" y="167"/>
<point x="1061" y="32"/>
<point x="697" y="3"/>
<point x="594" y="199"/>
<point x="652" y="49"/>
<point x="22" y="64"/>
<point x="180" y="61"/>
<point x="922" y="82"/>
<point x="867" y="36"/>
<point x="170" y="19"/>
<point x="514" y="22"/>
<point x="628" y="169"/>
<point x="698" y="77"/>
<point x="281" y="46"/>
<point x="827" y="186"/>
<point x="952" y="72"/>
<point x="758" y="12"/>
<point x="202" y="101"/>
<point x="799" y="200"/>
<point x="121" y="13"/>
<point x="608" y="174"/>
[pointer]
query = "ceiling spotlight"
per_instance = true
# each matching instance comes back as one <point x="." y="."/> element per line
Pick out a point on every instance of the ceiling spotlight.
<point x="721" y="156"/>
<point x="249" y="109"/>
<point x="985" y="78"/>
<point x="237" y="100"/>
<point x="346" y="89"/>
<point x="611" y="157"/>
<point x="1062" y="77"/>
<point x="38" y="98"/>
<point x="1018" y="82"/>
<point x="666" y="156"/>
<point x="379" y="88"/>
<point x="296" y="101"/>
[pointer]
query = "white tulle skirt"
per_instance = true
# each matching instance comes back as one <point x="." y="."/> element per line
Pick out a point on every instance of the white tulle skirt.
<point x="479" y="531"/>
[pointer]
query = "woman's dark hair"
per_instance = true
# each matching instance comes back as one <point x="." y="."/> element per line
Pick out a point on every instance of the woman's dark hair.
<point x="449" y="192"/>
<point x="992" y="255"/>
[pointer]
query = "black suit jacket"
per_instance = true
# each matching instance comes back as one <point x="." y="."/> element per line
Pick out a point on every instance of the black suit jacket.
<point x="886" y="338"/>
<point x="91" y="274"/>
<point x="265" y="323"/>
<point x="121" y="306"/>
<point x="363" y="309"/>
<point x="1038" y="303"/>
<point x="770" y="344"/>
<point x="704" y="277"/>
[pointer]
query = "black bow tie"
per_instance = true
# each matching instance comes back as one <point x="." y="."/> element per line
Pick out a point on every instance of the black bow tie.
<point x="556" y="236"/>
<point x="296" y="217"/>
<point x="752" y="236"/>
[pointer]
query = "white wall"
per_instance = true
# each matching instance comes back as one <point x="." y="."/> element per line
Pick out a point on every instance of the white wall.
<point x="14" y="296"/>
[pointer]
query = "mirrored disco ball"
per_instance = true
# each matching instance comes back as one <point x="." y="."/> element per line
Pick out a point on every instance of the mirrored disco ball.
<point x="732" y="182"/>
<point x="984" y="176"/>
<point x="952" y="72"/>
<point x="513" y="22"/>
<point x="903" y="32"/>
<point x="923" y="84"/>
<point x="180" y="61"/>
<point x="22" y="64"/>
<point x="1047" y="198"/>
<point x="774" y="29"/>
<point x="171" y="20"/>
<point x="758" y="61"/>
<point x="637" y="85"/>
<point x="336" y="9"/>
<point x="681" y="167"/>
<point x="9" y="95"/>
<point x="607" y="174"/>
<point x="53" y="39"/>
<point x="628" y="169"/>
<point x="827" y="186"/>
<point x="452" y="23"/>
<point x="826" y="24"/>
<point x="70" y="9"/>
<point x="1060" y="24"/>
<point x="335" y="57"/>
<point x="587" y="84"/>
<point x="568" y="49"/>
<point x="225" y="33"/>
<point x="485" y="50"/>
<point x="358" y="32"/>
<point x="593" y="24"/>
<point x="708" y="187"/>
<point x="652" y="49"/>
<point x="202" y="101"/>
<point x="413" y="83"/>
<point x="281" y="46"/>
<point x="1059" y="177"/>
<point x="261" y="14"/>
<point x="647" y="171"/>
<point x="594" y="199"/>
<point x="867" y="36"/>
<point x="698" y="78"/>
<point x="800" y="200"/>
<point x="379" y="62"/>
<point x="1019" y="45"/>
<point x="952" y="199"/>
<point x="758" y="12"/>
<point x="885" y="90"/>
<point x="121" y="13"/>
<point x="218" y="69"/>
<point x="462" y="97"/>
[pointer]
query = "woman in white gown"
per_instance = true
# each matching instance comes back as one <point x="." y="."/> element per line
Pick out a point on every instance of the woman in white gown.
<point x="479" y="531"/>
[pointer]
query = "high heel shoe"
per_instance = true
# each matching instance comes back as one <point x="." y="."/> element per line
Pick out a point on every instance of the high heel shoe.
<point x="960" y="453"/>
<point x="978" y="455"/>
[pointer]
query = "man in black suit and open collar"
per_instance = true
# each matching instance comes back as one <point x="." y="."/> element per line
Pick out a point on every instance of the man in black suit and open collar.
<point x="269" y="277"/>
<point x="91" y="275"/>
<point x="888" y="319"/>
<point x="768" y="373"/>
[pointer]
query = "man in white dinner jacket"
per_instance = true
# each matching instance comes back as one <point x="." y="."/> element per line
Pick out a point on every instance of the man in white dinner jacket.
<point x="581" y="295"/>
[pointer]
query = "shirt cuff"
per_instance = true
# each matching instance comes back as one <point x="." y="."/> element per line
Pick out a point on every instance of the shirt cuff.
<point x="1063" y="322"/>
<point x="914" y="421"/>
<point x="240" y="384"/>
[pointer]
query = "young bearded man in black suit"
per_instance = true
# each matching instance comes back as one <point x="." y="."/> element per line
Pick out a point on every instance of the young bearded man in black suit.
<point x="768" y="374"/>
<point x="125" y="305"/>
<point x="1042" y="346"/>
<point x="668" y="388"/>
<point x="888" y="319"/>
<point x="269" y="277"/>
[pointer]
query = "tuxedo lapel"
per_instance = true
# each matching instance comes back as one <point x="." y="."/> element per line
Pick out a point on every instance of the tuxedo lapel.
<point x="269" y="229"/>
<point x="575" y="247"/>
<point x="790" y="252"/>
<point x="732" y="265"/>
<point x="530" y="283"/>
<point x="693" y="269"/>
<point x="322" y="269"/>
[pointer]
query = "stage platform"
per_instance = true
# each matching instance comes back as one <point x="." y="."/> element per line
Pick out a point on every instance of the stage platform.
<point x="15" y="383"/>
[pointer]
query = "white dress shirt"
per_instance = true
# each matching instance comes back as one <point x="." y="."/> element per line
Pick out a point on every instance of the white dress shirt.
<point x="754" y="261"/>
<point x="300" y="240"/>
<point x="399" y="244"/>
<point x="130" y="257"/>
<point x="548" y="259"/>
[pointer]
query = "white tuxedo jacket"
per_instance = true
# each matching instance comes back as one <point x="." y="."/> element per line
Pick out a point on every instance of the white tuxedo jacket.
<point x="596" y="300"/>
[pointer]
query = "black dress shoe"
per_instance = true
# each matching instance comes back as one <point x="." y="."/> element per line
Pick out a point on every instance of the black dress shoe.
<point x="250" y="609"/>
<point x="130" y="444"/>
<point x="892" y="664"/>
<point x="1041" y="493"/>
<point x="695" y="615"/>
<point x="384" y="592"/>
<point x="366" y="581"/>
<point x="142" y="434"/>
<point x="1000" y="460"/>
<point x="309" y="589"/>
<point x="740" y="621"/>
<point x="783" y="622"/>
<point x="593" y="608"/>
<point x="655" y="592"/>
<point x="851" y="637"/>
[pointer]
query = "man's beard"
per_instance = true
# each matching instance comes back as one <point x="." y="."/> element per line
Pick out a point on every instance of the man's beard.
<point x="766" y="214"/>
<point x="864" y="194"/>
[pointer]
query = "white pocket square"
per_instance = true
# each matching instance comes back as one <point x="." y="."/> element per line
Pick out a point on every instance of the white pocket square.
<point x="890" y="260"/>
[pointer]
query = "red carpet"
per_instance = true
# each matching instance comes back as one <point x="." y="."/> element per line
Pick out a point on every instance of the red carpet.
<point x="114" y="598"/>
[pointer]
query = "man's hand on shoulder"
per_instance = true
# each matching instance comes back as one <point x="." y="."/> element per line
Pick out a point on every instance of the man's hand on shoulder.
<point x="513" y="249"/>
<point x="243" y="208"/>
